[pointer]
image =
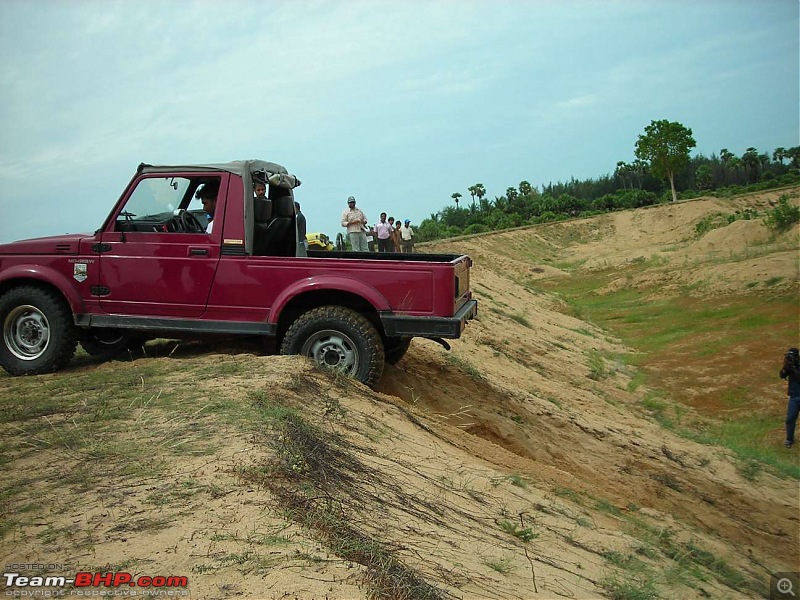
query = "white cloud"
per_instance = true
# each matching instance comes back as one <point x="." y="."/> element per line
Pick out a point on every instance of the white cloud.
<point x="578" y="102"/>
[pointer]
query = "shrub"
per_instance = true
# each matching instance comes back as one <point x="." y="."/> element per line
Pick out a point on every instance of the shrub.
<point x="707" y="223"/>
<point x="782" y="216"/>
<point x="475" y="228"/>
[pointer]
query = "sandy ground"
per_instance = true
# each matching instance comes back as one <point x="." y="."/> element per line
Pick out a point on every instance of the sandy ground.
<point x="507" y="432"/>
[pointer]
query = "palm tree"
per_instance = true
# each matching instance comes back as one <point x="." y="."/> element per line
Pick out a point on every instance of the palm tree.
<point x="751" y="162"/>
<point x="638" y="167"/>
<point x="473" y="190"/>
<point x="620" y="172"/>
<point x="793" y="154"/>
<point x="455" y="197"/>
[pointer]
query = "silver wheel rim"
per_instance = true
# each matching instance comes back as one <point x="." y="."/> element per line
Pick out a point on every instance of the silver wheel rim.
<point x="26" y="332"/>
<point x="332" y="350"/>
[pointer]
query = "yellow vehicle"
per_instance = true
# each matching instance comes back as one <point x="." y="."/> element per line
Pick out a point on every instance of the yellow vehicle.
<point x="319" y="241"/>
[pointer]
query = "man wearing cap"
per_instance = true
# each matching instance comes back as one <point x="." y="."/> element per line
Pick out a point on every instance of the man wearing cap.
<point x="354" y="220"/>
<point x="407" y="234"/>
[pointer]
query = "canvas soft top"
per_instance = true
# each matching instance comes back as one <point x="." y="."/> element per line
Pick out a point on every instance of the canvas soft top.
<point x="238" y="167"/>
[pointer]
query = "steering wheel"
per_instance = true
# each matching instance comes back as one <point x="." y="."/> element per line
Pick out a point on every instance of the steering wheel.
<point x="186" y="222"/>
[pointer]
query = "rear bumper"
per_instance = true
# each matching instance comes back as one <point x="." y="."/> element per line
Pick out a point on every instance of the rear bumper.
<point x="430" y="327"/>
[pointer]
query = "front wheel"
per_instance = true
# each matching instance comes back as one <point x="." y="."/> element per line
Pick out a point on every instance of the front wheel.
<point x="339" y="339"/>
<point x="38" y="333"/>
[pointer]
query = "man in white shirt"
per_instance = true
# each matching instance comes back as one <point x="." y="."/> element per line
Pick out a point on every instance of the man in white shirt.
<point x="354" y="220"/>
<point x="208" y="196"/>
<point x="407" y="233"/>
<point x="384" y="231"/>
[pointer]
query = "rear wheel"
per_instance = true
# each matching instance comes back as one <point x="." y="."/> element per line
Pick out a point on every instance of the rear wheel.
<point x="38" y="333"/>
<point x="339" y="339"/>
<point x="395" y="348"/>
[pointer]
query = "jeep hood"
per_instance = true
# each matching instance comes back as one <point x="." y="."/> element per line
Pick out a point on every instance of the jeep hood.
<point x="57" y="244"/>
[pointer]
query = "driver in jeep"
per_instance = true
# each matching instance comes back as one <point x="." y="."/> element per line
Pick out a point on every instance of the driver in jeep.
<point x="207" y="194"/>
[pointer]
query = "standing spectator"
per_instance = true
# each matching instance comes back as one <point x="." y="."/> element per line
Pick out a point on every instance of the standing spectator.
<point x="301" y="227"/>
<point x="384" y="231"/>
<point x="791" y="372"/>
<point x="394" y="245"/>
<point x="398" y="238"/>
<point x="407" y="233"/>
<point x="370" y="233"/>
<point x="355" y="220"/>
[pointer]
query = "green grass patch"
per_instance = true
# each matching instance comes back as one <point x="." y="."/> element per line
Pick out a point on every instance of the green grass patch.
<point x="568" y="493"/>
<point x="705" y="335"/>
<point x="503" y="565"/>
<point x="464" y="366"/>
<point x="526" y="534"/>
<point x="516" y="317"/>
<point x="750" y="441"/>
<point x="630" y="586"/>
<point x="597" y="365"/>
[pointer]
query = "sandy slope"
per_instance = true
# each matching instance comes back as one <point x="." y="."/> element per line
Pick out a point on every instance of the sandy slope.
<point x="507" y="431"/>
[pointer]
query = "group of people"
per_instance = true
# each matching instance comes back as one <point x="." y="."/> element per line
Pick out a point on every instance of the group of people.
<point x="388" y="235"/>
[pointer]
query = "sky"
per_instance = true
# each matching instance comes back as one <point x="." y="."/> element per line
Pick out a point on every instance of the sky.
<point x="399" y="103"/>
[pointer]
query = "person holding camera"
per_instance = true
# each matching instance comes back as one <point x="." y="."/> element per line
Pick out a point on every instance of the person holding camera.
<point x="791" y="372"/>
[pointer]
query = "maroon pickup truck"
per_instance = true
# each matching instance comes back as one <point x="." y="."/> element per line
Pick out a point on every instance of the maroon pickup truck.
<point x="161" y="267"/>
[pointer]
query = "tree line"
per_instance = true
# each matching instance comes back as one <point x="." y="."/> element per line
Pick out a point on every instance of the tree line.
<point x="661" y="168"/>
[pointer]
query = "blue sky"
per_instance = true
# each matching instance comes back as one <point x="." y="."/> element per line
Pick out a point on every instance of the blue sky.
<point x="399" y="103"/>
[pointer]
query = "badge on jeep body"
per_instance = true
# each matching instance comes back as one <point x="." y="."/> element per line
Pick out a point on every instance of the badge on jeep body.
<point x="79" y="272"/>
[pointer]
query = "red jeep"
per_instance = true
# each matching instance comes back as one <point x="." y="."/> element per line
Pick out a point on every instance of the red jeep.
<point x="153" y="270"/>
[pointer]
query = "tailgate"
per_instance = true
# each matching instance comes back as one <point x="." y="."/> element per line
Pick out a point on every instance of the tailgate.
<point x="461" y="287"/>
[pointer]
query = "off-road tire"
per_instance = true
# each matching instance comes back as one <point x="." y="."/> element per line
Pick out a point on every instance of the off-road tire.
<point x="38" y="334"/>
<point x="338" y="338"/>
<point x="106" y="343"/>
<point x="395" y="348"/>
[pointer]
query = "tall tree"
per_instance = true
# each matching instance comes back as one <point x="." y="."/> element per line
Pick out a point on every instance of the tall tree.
<point x="704" y="178"/>
<point x="793" y="154"/>
<point x="525" y="188"/>
<point x="621" y="172"/>
<point x="473" y="191"/>
<point x="638" y="168"/>
<point x="665" y="145"/>
<point x="751" y="162"/>
<point x="455" y="197"/>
